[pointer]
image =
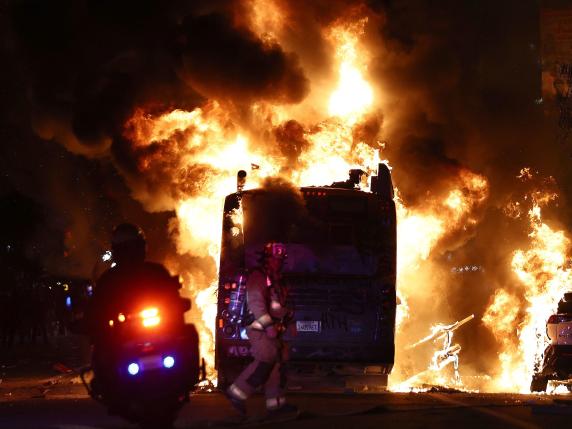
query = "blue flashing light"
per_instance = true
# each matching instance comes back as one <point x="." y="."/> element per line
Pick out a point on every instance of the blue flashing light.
<point x="169" y="362"/>
<point x="68" y="301"/>
<point x="133" y="368"/>
<point x="243" y="334"/>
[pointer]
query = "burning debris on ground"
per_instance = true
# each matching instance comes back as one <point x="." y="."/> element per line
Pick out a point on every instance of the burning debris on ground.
<point x="447" y="355"/>
<point x="152" y="109"/>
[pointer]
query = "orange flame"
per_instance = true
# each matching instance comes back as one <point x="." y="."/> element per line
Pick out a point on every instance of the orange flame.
<point x="210" y="139"/>
<point x="353" y="95"/>
<point x="518" y="320"/>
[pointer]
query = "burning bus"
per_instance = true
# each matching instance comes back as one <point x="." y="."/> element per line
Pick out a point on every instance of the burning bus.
<point x="340" y="273"/>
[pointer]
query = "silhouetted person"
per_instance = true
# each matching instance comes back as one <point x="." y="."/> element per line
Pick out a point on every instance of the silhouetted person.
<point x="130" y="280"/>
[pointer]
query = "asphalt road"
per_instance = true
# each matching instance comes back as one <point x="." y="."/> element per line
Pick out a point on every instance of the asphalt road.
<point x="36" y="392"/>
<point x="65" y="405"/>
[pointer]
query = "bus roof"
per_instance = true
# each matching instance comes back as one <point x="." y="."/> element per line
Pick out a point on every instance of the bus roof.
<point x="310" y="190"/>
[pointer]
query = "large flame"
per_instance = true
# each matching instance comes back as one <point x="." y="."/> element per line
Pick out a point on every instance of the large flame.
<point x="418" y="233"/>
<point x="518" y="319"/>
<point x="353" y="95"/>
<point x="209" y="144"/>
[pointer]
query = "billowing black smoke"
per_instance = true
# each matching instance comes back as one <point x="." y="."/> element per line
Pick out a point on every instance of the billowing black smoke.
<point x="274" y="215"/>
<point x="79" y="70"/>
<point x="226" y="62"/>
<point x="91" y="63"/>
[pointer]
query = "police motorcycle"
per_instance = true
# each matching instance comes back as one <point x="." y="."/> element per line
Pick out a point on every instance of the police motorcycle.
<point x="557" y="362"/>
<point x="148" y="364"/>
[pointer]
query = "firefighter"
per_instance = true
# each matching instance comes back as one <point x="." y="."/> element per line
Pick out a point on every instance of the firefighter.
<point x="266" y="300"/>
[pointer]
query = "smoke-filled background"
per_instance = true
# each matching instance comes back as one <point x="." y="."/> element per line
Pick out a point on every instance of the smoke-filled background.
<point x="144" y="111"/>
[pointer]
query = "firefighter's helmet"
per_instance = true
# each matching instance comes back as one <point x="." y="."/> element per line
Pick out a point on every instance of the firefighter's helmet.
<point x="128" y="244"/>
<point x="273" y="249"/>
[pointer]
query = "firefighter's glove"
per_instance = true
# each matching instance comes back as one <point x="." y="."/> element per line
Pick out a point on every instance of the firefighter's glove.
<point x="262" y="322"/>
<point x="257" y="325"/>
<point x="271" y="331"/>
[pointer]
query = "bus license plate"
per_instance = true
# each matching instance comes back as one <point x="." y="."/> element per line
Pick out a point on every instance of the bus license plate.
<point x="308" y="325"/>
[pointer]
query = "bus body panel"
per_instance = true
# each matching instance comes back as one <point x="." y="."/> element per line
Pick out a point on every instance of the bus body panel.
<point x="340" y="273"/>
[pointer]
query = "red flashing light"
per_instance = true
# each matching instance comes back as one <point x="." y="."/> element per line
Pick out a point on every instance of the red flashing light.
<point x="315" y="193"/>
<point x="150" y="317"/>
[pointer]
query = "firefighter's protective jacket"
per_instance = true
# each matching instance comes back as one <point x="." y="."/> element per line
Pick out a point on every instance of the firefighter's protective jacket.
<point x="265" y="300"/>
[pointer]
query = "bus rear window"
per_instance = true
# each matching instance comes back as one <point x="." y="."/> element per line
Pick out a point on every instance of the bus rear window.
<point x="341" y="235"/>
<point x="342" y="204"/>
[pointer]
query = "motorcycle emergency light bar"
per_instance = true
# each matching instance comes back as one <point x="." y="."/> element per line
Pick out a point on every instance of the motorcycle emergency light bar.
<point x="133" y="368"/>
<point x="169" y="362"/>
<point x="150" y="317"/>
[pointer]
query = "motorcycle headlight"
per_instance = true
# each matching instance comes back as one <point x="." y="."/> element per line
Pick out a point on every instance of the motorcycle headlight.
<point x="133" y="368"/>
<point x="150" y="317"/>
<point x="168" y="361"/>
